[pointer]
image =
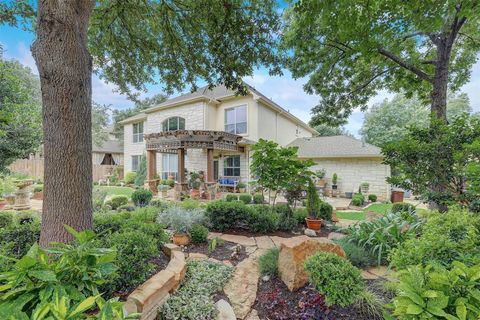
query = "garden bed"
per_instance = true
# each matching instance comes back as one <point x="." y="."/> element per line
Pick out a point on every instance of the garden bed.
<point x="276" y="302"/>
<point x="224" y="251"/>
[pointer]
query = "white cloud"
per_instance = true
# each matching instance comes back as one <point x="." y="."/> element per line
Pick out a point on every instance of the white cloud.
<point x="473" y="87"/>
<point x="25" y="57"/>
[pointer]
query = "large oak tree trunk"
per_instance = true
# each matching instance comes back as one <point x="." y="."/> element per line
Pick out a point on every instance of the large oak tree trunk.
<point x="65" y="67"/>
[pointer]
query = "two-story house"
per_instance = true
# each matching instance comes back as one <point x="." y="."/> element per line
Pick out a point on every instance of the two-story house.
<point x="212" y="130"/>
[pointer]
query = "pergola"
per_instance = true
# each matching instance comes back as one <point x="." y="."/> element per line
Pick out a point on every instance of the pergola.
<point x="178" y="142"/>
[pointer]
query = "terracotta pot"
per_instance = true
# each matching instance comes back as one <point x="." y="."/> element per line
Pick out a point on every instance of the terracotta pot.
<point x="314" y="224"/>
<point x="397" y="196"/>
<point x="181" y="239"/>
<point x="242" y="190"/>
<point x="195" y="194"/>
<point x="3" y="203"/>
<point x="321" y="183"/>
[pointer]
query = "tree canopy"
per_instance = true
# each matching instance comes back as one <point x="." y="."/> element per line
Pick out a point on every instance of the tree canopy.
<point x="100" y="122"/>
<point x="324" y="130"/>
<point x="389" y="120"/>
<point x="20" y="112"/>
<point x="351" y="50"/>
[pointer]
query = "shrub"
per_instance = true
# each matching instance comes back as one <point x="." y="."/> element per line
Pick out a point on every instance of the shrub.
<point x="325" y="211"/>
<point x="286" y="220"/>
<point x="61" y="282"/>
<point x="6" y="219"/>
<point x="434" y="292"/>
<point x="357" y="255"/>
<point x="225" y="215"/>
<point x="268" y="263"/>
<point x="181" y="220"/>
<point x="194" y="299"/>
<point x="98" y="198"/>
<point x="135" y="250"/>
<point x="335" y="277"/>
<point x="117" y="201"/>
<point x="157" y="203"/>
<point x="142" y="197"/>
<point x="142" y="172"/>
<point x="199" y="234"/>
<point x="130" y="177"/>
<point x="313" y="201"/>
<point x="372" y="197"/>
<point x="358" y="199"/>
<point x="300" y="214"/>
<point x="21" y="236"/>
<point x="258" y="198"/>
<point x="403" y="207"/>
<point x="382" y="235"/>
<point x="190" y="204"/>
<point x="262" y="219"/>
<point x="474" y="206"/>
<point x="245" y="198"/>
<point x="231" y="197"/>
<point x="126" y="207"/>
<point x="445" y="237"/>
<point x="168" y="182"/>
<point x="38" y="188"/>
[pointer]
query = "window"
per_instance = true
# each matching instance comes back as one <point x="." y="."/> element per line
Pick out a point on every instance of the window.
<point x="135" y="162"/>
<point x="138" y="132"/>
<point x="169" y="165"/>
<point x="231" y="166"/>
<point x="174" y="123"/>
<point x="236" y="120"/>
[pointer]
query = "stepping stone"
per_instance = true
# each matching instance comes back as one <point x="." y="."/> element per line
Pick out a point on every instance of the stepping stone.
<point x="253" y="315"/>
<point x="225" y="311"/>
<point x="336" y="236"/>
<point x="212" y="235"/>
<point x="264" y="242"/>
<point x="368" y="276"/>
<point x="310" y="232"/>
<point x="277" y="240"/>
<point x="242" y="240"/>
<point x="382" y="272"/>
<point x="242" y="287"/>
<point x="196" y="256"/>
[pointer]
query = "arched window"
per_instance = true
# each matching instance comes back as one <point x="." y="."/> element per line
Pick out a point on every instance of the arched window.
<point x="173" y="123"/>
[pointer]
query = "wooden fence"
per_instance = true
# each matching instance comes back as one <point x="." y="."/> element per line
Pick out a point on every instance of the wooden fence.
<point x="34" y="168"/>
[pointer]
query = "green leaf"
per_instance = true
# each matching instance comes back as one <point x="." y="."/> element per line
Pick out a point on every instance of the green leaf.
<point x="83" y="306"/>
<point x="461" y="311"/>
<point x="414" y="309"/>
<point x="44" y="275"/>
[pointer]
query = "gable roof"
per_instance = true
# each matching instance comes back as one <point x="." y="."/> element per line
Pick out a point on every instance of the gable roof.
<point x="335" y="147"/>
<point x="215" y="94"/>
<point x="109" y="146"/>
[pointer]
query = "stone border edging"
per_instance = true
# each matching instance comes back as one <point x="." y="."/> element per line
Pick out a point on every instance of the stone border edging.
<point x="152" y="294"/>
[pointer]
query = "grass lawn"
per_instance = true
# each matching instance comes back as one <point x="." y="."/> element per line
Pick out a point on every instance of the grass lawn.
<point x="351" y="215"/>
<point x="115" y="191"/>
<point x="381" y="208"/>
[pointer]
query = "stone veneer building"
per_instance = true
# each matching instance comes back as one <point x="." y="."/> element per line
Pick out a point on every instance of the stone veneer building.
<point x="212" y="130"/>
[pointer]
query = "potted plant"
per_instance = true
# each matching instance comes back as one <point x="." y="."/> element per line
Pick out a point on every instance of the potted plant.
<point x="348" y="195"/>
<point x="364" y="187"/>
<point x="319" y="177"/>
<point x="163" y="189"/>
<point x="38" y="192"/>
<point x="242" y="187"/>
<point x="334" y="184"/>
<point x="181" y="221"/>
<point x="313" y="220"/>
<point x="194" y="182"/>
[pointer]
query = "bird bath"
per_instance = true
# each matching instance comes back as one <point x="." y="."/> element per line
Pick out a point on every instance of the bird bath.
<point x="22" y="195"/>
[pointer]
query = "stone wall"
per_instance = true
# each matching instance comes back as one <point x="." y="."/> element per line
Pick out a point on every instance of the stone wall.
<point x="352" y="172"/>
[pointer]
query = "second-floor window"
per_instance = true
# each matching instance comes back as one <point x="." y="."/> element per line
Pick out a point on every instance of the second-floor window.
<point x="236" y="120"/>
<point x="136" y="163"/>
<point x="173" y="123"/>
<point x="138" y="132"/>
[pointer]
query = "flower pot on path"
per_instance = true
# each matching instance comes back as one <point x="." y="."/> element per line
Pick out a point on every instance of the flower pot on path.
<point x="314" y="224"/>
<point x="181" y="239"/>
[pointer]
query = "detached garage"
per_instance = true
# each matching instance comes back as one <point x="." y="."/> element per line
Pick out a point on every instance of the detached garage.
<point x="353" y="161"/>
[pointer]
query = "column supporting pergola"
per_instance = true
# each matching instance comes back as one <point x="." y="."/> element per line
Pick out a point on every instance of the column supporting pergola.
<point x="210" y="176"/>
<point x="152" y="170"/>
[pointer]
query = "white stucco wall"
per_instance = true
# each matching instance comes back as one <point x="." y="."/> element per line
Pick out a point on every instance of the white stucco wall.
<point x="352" y="172"/>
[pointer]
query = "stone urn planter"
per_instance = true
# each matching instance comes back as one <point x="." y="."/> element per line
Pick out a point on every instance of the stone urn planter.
<point x="10" y="199"/>
<point x="313" y="223"/>
<point x="181" y="239"/>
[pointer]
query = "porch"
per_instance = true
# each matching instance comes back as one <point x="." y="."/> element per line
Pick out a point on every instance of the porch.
<point x="213" y="144"/>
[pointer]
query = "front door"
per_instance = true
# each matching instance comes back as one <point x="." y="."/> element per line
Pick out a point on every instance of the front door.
<point x="215" y="170"/>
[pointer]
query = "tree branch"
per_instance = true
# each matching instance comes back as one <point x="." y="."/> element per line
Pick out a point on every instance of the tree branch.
<point x="420" y="73"/>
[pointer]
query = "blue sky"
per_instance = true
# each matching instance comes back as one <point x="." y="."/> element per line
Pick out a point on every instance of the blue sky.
<point x="284" y="90"/>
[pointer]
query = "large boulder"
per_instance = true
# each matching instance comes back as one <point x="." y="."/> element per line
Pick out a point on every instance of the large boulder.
<point x="294" y="252"/>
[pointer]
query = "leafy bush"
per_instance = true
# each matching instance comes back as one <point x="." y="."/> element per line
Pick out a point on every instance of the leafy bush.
<point x="262" y="219"/>
<point x="135" y="250"/>
<point x="258" y="198"/>
<point x="231" y="197"/>
<point x="142" y="197"/>
<point x="157" y="203"/>
<point x="358" y="199"/>
<point x="199" y="234"/>
<point x="433" y="292"/>
<point x="300" y="214"/>
<point x="268" y="263"/>
<point x="181" y="220"/>
<point x="20" y="236"/>
<point x="126" y="207"/>
<point x="313" y="201"/>
<point x="194" y="299"/>
<point x="225" y="215"/>
<point x="445" y="237"/>
<point x="6" y="219"/>
<point x="372" y="197"/>
<point x="98" y="198"/>
<point x="357" y="255"/>
<point x="325" y="211"/>
<point x="38" y="188"/>
<point x="190" y="204"/>
<point x="142" y="172"/>
<point x="334" y="277"/>
<point x="130" y="177"/>
<point x="474" y="206"/>
<point x="403" y="207"/>
<point x="286" y="220"/>
<point x="168" y="182"/>
<point x="60" y="282"/>
<point x="381" y="235"/>
<point x="245" y="198"/>
<point x="117" y="201"/>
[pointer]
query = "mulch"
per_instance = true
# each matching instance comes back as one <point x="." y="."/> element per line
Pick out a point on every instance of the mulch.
<point x="275" y="302"/>
<point x="224" y="251"/>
